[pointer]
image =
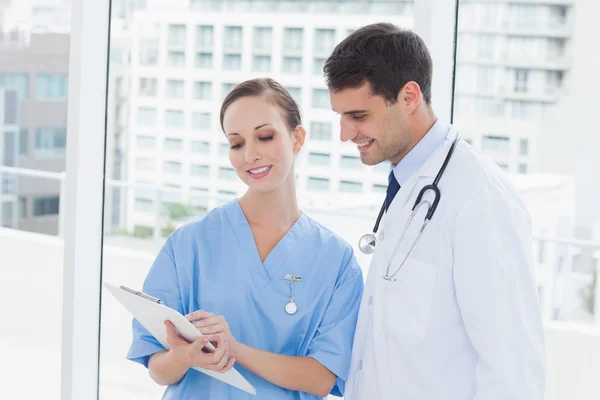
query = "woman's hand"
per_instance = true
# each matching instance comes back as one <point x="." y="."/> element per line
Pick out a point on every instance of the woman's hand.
<point x="192" y="355"/>
<point x="212" y="326"/>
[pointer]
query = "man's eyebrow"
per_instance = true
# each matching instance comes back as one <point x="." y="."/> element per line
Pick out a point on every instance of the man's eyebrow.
<point x="351" y="112"/>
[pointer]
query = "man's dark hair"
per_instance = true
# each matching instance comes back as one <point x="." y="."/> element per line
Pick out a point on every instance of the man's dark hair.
<point x="386" y="56"/>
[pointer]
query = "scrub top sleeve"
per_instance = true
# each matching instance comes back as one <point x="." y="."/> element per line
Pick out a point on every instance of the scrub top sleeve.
<point x="332" y="344"/>
<point x="162" y="283"/>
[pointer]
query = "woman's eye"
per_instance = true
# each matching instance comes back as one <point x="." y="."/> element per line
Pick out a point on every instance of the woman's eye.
<point x="235" y="146"/>
<point x="266" y="139"/>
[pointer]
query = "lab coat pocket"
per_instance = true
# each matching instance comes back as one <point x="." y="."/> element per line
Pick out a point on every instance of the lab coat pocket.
<point x="408" y="298"/>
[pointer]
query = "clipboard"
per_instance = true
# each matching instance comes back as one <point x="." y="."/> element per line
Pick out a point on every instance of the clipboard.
<point x="151" y="313"/>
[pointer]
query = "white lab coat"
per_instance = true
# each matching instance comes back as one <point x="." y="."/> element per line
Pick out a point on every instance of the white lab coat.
<point x="462" y="321"/>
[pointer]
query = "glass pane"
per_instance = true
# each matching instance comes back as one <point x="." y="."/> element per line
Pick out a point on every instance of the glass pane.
<point x="34" y="70"/>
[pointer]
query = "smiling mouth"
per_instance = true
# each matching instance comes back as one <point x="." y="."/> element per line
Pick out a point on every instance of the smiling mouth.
<point x="260" y="172"/>
<point x="364" y="145"/>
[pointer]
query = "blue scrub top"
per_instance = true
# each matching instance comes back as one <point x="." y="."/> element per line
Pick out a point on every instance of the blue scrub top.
<point x="213" y="264"/>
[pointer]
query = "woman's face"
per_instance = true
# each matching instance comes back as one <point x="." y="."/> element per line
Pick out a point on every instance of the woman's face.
<point x="262" y="149"/>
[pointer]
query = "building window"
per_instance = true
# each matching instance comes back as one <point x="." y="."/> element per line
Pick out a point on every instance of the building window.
<point x="318" y="64"/>
<point x="22" y="207"/>
<point x="232" y="62"/>
<point x="553" y="81"/>
<point x="379" y="188"/>
<point x="350" y="162"/>
<point x="200" y="147"/>
<point x="172" y="194"/>
<point x="485" y="79"/>
<point x="148" y="53"/>
<point x="226" y="88"/>
<point x="175" y="88"/>
<point x="485" y="47"/>
<point x="199" y="170"/>
<point x="148" y="87"/>
<point x="320" y="131"/>
<point x="177" y="36"/>
<point x="24" y="142"/>
<point x="204" y="36"/>
<point x="523" y="168"/>
<point x="18" y="82"/>
<point x="51" y="86"/>
<point x="227" y="174"/>
<point x="201" y="121"/>
<point x="320" y="98"/>
<point x="224" y="149"/>
<point x="524" y="15"/>
<point x="204" y="60"/>
<point x="296" y="93"/>
<point x="318" y="184"/>
<point x="523" y="147"/>
<point x="174" y="119"/>
<point x="176" y="59"/>
<point x="262" y="40"/>
<point x="145" y="142"/>
<point x="495" y="144"/>
<point x="173" y="144"/>
<point x="51" y="141"/>
<point x="147" y="116"/>
<point x="521" y="80"/>
<point x="203" y="90"/>
<point x="261" y="63"/>
<point x="323" y="159"/>
<point x="144" y="164"/>
<point x="143" y="205"/>
<point x="46" y="206"/>
<point x="172" y="167"/>
<point x="324" y="40"/>
<point x="292" y="39"/>
<point x="232" y="38"/>
<point x="522" y="110"/>
<point x="349" y="186"/>
<point x="383" y="166"/>
<point x="292" y="65"/>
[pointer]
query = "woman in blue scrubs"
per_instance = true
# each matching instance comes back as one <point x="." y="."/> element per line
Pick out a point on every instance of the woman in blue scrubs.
<point x="278" y="293"/>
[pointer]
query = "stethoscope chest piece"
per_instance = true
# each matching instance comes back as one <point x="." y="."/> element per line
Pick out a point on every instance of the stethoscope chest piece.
<point x="367" y="243"/>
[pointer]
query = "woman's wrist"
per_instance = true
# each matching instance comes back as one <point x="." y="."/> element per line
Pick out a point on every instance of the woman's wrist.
<point x="234" y="349"/>
<point x="176" y="357"/>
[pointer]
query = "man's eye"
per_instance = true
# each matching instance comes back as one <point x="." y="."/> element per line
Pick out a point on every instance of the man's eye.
<point x="358" y="117"/>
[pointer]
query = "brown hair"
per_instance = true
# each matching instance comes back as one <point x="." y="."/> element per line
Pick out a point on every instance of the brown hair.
<point x="274" y="93"/>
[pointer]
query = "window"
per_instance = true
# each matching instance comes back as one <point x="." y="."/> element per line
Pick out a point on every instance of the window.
<point x="261" y="63"/>
<point x="496" y="144"/>
<point x="145" y="142"/>
<point x="204" y="36"/>
<point x="144" y="164"/>
<point x="147" y="116"/>
<point x="558" y="16"/>
<point x="554" y="81"/>
<point x="226" y="88"/>
<point x="24" y="142"/>
<point x="318" y="184"/>
<point x="199" y="170"/>
<point x="523" y="147"/>
<point x="523" y="168"/>
<point x="296" y="93"/>
<point x="22" y="207"/>
<point x="227" y="174"/>
<point x="320" y="131"/>
<point x="148" y="52"/>
<point x="232" y="38"/>
<point x="177" y="36"/>
<point x="51" y="86"/>
<point x="379" y="188"/>
<point x="485" y="79"/>
<point x="351" y="162"/>
<point x="318" y="64"/>
<point x="200" y="147"/>
<point x="348" y="186"/>
<point x="522" y="110"/>
<point x="203" y="60"/>
<point x="485" y="47"/>
<point x="232" y="61"/>
<point x="148" y="87"/>
<point x="320" y="98"/>
<point x="292" y="65"/>
<point x="324" y="40"/>
<point x="173" y="144"/>
<point x="292" y="39"/>
<point x="203" y="90"/>
<point x="521" y="79"/>
<point x="199" y="196"/>
<point x="224" y="149"/>
<point x="383" y="167"/>
<point x="201" y="121"/>
<point x="174" y="119"/>
<point x="172" y="167"/>
<point x="143" y="205"/>
<point x="46" y="206"/>
<point x="323" y="159"/>
<point x="175" y="88"/>
<point x="524" y="15"/>
<point x="18" y="82"/>
<point x="176" y="59"/>
<point x="51" y="141"/>
<point x="262" y="39"/>
<point x="172" y="194"/>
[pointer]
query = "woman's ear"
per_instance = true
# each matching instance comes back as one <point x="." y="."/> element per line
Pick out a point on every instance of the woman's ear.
<point x="298" y="137"/>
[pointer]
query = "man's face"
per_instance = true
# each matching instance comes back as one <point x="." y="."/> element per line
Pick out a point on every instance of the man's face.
<point x="380" y="130"/>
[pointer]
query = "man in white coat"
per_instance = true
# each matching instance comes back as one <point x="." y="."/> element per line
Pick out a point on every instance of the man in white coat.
<point x="458" y="317"/>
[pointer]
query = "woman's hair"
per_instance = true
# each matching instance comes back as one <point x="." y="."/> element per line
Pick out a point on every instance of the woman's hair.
<point x="273" y="92"/>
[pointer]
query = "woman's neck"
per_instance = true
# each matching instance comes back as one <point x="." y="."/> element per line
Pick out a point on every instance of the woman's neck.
<point x="277" y="208"/>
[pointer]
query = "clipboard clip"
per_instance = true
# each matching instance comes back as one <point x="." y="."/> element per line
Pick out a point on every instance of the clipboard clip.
<point x="142" y="295"/>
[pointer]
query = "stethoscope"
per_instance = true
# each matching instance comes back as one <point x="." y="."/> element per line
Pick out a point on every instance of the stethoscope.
<point x="367" y="242"/>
